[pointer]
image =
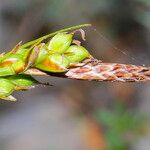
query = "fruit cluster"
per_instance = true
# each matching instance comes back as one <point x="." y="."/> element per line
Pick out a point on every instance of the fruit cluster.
<point x="55" y="56"/>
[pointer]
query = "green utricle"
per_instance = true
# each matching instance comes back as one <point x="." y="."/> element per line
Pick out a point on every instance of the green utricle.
<point x="76" y="53"/>
<point x="43" y="54"/>
<point x="12" y="64"/>
<point x="23" y="53"/>
<point x="11" y="56"/>
<point x="18" y="66"/>
<point x="60" y="42"/>
<point x="6" y="87"/>
<point x="2" y="58"/>
<point x="60" y="60"/>
<point x="6" y="71"/>
<point x="54" y="63"/>
<point x="22" y="80"/>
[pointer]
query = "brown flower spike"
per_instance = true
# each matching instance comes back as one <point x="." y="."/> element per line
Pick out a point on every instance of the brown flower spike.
<point x="99" y="71"/>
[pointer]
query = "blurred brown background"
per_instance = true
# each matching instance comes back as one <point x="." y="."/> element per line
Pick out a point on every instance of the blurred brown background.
<point x="79" y="115"/>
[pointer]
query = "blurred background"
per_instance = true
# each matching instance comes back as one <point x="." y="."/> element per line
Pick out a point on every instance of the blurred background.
<point x="79" y="115"/>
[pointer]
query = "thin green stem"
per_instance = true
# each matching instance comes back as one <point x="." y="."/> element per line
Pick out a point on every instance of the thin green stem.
<point x="52" y="34"/>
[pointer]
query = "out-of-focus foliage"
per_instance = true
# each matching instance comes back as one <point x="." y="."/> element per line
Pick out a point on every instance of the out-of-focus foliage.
<point x="142" y="13"/>
<point x="121" y="126"/>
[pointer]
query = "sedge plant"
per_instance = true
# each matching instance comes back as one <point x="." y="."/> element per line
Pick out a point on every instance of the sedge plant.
<point x="60" y="56"/>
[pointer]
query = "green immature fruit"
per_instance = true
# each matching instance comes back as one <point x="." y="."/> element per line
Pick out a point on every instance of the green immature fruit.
<point x="76" y="53"/>
<point x="43" y="55"/>
<point x="12" y="64"/>
<point x="23" y="53"/>
<point x="6" y="71"/>
<point x="53" y="63"/>
<point x="6" y="87"/>
<point x="60" y="42"/>
<point x="22" y="80"/>
<point x="60" y="60"/>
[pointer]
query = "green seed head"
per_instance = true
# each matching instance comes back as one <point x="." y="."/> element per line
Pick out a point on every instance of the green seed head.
<point x="60" y="42"/>
<point x="76" y="53"/>
<point x="6" y="87"/>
